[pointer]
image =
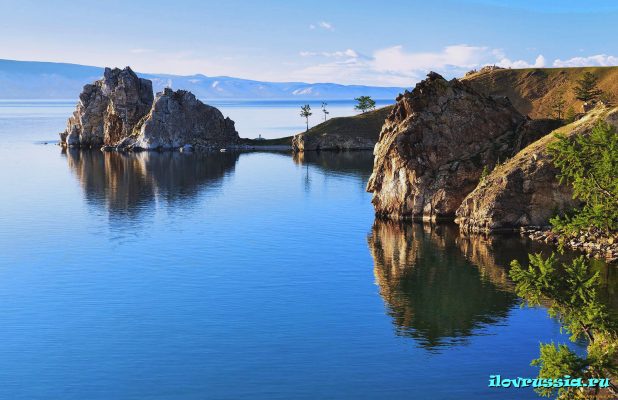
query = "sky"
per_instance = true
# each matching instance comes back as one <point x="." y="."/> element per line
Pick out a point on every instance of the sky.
<point x="382" y="43"/>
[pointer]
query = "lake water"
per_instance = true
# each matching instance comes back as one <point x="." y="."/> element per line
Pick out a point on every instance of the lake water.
<point x="240" y="276"/>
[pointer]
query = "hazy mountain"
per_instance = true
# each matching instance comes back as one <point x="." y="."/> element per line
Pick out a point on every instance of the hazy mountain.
<point x="46" y="80"/>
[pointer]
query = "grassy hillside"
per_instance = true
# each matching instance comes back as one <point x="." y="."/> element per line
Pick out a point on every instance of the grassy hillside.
<point x="532" y="90"/>
<point x="366" y="125"/>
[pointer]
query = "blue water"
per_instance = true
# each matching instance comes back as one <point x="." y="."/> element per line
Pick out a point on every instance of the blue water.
<point x="238" y="276"/>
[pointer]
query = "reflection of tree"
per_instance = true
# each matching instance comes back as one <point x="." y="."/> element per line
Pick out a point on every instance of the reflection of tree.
<point x="129" y="183"/>
<point x="433" y="293"/>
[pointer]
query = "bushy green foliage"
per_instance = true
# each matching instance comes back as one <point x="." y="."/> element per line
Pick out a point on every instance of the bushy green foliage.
<point x="570" y="292"/>
<point x="365" y="103"/>
<point x="590" y="164"/>
<point x="586" y="89"/>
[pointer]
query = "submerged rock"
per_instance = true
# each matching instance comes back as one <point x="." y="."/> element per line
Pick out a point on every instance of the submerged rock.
<point x="179" y="120"/>
<point x="525" y="190"/>
<point x="108" y="109"/>
<point x="434" y="146"/>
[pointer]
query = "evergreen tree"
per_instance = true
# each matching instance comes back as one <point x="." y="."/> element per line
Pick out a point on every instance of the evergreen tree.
<point x="590" y="164"/>
<point x="586" y="89"/>
<point x="570" y="292"/>
<point x="365" y="103"/>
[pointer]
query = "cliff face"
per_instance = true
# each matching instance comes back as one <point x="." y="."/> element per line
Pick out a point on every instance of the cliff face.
<point x="525" y="191"/>
<point x="359" y="132"/>
<point x="108" y="109"/>
<point x="434" y="145"/>
<point x="533" y="90"/>
<point x="179" y="119"/>
<point x="118" y="112"/>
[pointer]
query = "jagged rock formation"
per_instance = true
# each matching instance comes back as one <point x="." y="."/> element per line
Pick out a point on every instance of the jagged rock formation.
<point x="435" y="144"/>
<point x="525" y="191"/>
<point x="118" y="112"/>
<point x="108" y="109"/>
<point x="359" y="132"/>
<point x="179" y="119"/>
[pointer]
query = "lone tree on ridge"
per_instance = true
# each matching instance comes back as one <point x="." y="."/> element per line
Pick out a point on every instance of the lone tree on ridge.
<point x="305" y="111"/>
<point x="365" y="103"/>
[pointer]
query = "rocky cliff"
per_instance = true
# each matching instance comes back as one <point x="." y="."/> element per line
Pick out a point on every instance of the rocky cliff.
<point x="524" y="191"/>
<point x="108" y="109"/>
<point x="359" y="132"/>
<point x="435" y="144"/>
<point x="119" y="112"/>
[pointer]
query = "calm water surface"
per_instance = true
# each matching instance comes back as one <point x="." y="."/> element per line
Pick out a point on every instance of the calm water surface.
<point x="227" y="276"/>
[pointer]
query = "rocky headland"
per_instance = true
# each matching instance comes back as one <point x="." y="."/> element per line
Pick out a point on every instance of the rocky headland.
<point x="452" y="151"/>
<point x="119" y="112"/>
<point x="435" y="144"/>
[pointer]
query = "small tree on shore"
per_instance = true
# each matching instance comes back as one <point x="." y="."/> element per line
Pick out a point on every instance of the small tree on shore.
<point x="305" y="112"/>
<point x="365" y="103"/>
<point x="586" y="89"/>
<point x="324" y="110"/>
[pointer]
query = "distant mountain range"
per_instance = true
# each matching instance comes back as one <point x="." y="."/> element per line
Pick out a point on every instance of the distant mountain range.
<point x="47" y="80"/>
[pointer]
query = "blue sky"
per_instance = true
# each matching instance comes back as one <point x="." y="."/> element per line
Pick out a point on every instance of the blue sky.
<point x="383" y="43"/>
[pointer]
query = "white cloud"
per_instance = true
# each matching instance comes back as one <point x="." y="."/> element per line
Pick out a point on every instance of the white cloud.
<point x="337" y="54"/>
<point x="398" y="67"/>
<point x="326" y="25"/>
<point x="539" y="62"/>
<point x="322" y="25"/>
<point x="600" y="60"/>
<point x="395" y="59"/>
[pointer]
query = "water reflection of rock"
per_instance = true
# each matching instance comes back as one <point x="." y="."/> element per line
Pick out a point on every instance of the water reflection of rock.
<point x="129" y="183"/>
<point x="433" y="292"/>
<point x="358" y="163"/>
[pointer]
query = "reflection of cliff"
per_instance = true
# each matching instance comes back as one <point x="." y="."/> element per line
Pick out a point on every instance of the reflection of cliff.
<point x="358" y="163"/>
<point x="433" y="292"/>
<point x="127" y="183"/>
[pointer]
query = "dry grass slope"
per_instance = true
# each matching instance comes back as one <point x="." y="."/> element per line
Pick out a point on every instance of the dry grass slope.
<point x="532" y="90"/>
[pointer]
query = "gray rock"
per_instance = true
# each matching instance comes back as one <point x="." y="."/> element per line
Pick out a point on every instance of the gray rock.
<point x="179" y="119"/>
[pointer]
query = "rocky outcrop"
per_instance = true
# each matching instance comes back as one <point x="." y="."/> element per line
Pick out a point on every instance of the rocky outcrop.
<point x="524" y="191"/>
<point x="178" y="119"/>
<point x="434" y="146"/>
<point x="358" y="132"/>
<point x="117" y="112"/>
<point x="108" y="109"/>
